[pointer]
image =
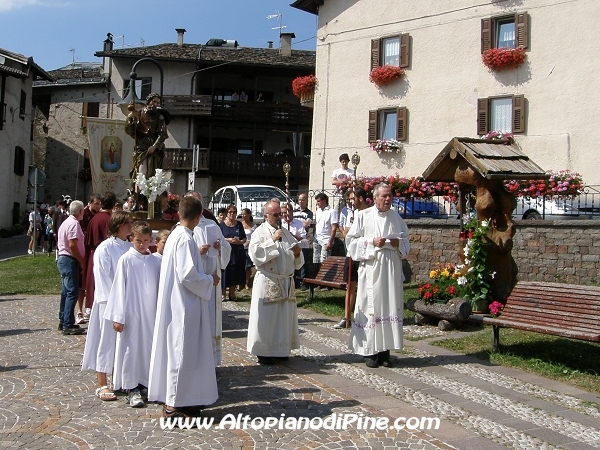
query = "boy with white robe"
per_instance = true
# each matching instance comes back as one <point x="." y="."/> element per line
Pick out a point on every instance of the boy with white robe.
<point x="99" y="351"/>
<point x="160" y="241"/>
<point x="132" y="309"/>
<point x="182" y="369"/>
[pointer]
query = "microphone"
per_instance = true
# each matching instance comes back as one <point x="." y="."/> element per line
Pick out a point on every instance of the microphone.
<point x="279" y="227"/>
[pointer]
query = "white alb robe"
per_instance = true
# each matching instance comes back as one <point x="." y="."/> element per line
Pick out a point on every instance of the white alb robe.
<point x="207" y="232"/>
<point x="273" y="325"/>
<point x="132" y="302"/>
<point x="99" y="351"/>
<point x="379" y="309"/>
<point x="182" y="367"/>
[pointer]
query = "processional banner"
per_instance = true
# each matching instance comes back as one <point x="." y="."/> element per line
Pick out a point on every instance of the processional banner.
<point x="111" y="156"/>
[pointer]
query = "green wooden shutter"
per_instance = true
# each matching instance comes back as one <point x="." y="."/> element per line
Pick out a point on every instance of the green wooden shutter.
<point x="401" y="116"/>
<point x="375" y="45"/>
<point x="482" y="116"/>
<point x="522" y="29"/>
<point x="518" y="114"/>
<point x="373" y="134"/>
<point x="404" y="50"/>
<point x="486" y="34"/>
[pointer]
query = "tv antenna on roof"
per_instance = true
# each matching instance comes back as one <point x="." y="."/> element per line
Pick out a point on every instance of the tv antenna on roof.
<point x="72" y="50"/>
<point x="277" y="15"/>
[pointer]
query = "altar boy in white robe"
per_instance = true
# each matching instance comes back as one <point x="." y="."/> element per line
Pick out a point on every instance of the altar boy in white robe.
<point x="273" y="322"/>
<point x="132" y="309"/>
<point x="99" y="351"/>
<point x="378" y="239"/>
<point x="215" y="252"/>
<point x="182" y="368"/>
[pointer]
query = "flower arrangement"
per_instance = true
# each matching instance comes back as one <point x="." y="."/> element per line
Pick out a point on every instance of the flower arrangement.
<point x="382" y="75"/>
<point x="475" y="278"/>
<point x="559" y="184"/>
<point x="304" y="85"/>
<point x="503" y="58"/>
<point x="173" y="200"/>
<point x="443" y="285"/>
<point x="496" y="308"/>
<point x="498" y="135"/>
<point x="154" y="185"/>
<point x="387" y="146"/>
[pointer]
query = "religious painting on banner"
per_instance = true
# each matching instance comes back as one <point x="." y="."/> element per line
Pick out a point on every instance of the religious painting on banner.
<point x="111" y="153"/>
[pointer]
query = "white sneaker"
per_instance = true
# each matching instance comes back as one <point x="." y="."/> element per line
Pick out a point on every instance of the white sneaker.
<point x="79" y="319"/>
<point x="135" y="399"/>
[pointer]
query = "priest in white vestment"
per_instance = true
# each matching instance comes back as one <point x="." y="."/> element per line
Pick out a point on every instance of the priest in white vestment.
<point x="215" y="252"/>
<point x="273" y="322"/>
<point x="378" y="239"/>
<point x="99" y="351"/>
<point x="182" y="367"/>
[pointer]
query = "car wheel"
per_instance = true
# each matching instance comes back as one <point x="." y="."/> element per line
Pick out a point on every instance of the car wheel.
<point x="533" y="215"/>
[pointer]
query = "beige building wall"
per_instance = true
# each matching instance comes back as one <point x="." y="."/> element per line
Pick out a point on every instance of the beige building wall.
<point x="559" y="80"/>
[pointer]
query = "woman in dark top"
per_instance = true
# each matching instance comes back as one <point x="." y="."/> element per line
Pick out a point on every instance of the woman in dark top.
<point x="234" y="233"/>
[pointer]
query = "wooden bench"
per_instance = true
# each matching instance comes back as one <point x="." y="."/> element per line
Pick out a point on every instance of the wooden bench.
<point x="330" y="274"/>
<point x="567" y="310"/>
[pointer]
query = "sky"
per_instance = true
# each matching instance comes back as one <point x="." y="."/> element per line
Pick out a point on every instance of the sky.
<point x="58" y="32"/>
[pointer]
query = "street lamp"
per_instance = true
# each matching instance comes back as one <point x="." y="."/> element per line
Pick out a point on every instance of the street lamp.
<point x="286" y="169"/>
<point x="131" y="102"/>
<point x="355" y="160"/>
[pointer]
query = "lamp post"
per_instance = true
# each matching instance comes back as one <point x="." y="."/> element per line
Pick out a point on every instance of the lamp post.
<point x="286" y="169"/>
<point x="131" y="102"/>
<point x="355" y="160"/>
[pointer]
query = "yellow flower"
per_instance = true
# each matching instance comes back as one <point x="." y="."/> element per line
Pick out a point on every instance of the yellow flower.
<point x="433" y="274"/>
<point x="446" y="272"/>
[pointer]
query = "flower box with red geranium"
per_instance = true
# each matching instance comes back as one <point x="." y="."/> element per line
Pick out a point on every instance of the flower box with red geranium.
<point x="383" y="75"/>
<point x="503" y="58"/>
<point x="304" y="87"/>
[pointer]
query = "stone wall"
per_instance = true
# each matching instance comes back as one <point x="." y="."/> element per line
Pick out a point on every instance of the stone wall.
<point x="565" y="251"/>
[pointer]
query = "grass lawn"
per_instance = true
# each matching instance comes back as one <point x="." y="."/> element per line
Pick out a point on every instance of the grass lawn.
<point x="567" y="360"/>
<point x="29" y="275"/>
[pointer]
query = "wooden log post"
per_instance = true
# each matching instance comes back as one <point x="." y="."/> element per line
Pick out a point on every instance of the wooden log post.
<point x="456" y="310"/>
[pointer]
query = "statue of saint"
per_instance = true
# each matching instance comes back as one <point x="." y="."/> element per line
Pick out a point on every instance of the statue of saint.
<point x="148" y="127"/>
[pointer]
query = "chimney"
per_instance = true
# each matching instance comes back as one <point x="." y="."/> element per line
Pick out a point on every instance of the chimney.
<point x="108" y="42"/>
<point x="180" y="32"/>
<point x="270" y="43"/>
<point x="285" y="47"/>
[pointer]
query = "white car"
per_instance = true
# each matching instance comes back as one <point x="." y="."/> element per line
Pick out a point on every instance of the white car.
<point x="251" y="196"/>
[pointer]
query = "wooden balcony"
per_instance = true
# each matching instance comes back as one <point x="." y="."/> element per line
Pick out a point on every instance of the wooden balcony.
<point x="188" y="105"/>
<point x="281" y="115"/>
<point x="223" y="164"/>
<point x="181" y="159"/>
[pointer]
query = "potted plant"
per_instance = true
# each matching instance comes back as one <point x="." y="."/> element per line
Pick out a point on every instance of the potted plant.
<point x="387" y="146"/>
<point x="383" y="75"/>
<point x="503" y="58"/>
<point x="498" y="135"/>
<point x="304" y="87"/>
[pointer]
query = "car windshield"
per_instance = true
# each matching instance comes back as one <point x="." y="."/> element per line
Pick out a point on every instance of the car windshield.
<point x="259" y="194"/>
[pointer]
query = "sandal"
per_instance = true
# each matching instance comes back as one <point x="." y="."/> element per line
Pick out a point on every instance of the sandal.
<point x="175" y="412"/>
<point x="107" y="396"/>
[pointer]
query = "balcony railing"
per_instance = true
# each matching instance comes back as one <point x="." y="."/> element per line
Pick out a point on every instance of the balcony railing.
<point x="222" y="164"/>
<point x="181" y="159"/>
<point x="228" y="111"/>
<point x="188" y="105"/>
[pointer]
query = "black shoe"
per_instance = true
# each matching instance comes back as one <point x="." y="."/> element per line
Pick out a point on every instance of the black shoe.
<point x="371" y="361"/>
<point x="281" y="358"/>
<point x="304" y="288"/>
<point x="75" y="329"/>
<point x="341" y="324"/>
<point x="60" y="327"/>
<point x="383" y="358"/>
<point x="266" y="360"/>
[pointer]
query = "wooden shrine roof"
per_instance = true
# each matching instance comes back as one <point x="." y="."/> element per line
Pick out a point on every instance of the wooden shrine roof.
<point x="490" y="158"/>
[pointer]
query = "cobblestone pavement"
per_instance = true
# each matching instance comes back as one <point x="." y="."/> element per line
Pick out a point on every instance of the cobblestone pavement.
<point x="47" y="402"/>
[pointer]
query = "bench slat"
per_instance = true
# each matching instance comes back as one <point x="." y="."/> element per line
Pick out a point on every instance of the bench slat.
<point x="331" y="274"/>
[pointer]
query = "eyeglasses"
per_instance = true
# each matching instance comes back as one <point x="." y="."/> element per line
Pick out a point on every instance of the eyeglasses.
<point x="275" y="214"/>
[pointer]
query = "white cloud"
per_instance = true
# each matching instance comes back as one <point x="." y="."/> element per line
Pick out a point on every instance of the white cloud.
<point x="7" y="5"/>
